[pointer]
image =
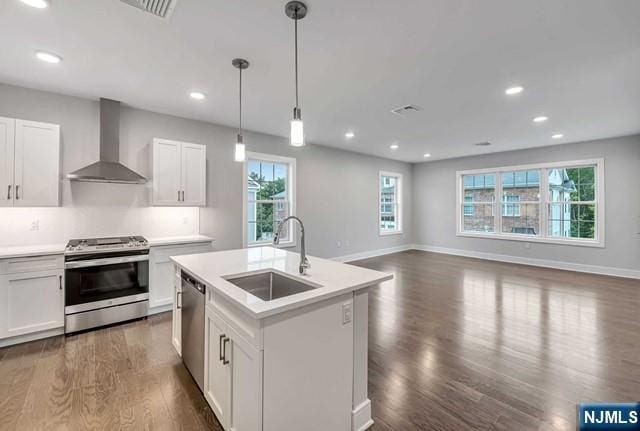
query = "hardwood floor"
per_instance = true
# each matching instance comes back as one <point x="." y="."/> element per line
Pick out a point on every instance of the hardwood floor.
<point x="454" y="344"/>
<point x="465" y="344"/>
<point x="125" y="377"/>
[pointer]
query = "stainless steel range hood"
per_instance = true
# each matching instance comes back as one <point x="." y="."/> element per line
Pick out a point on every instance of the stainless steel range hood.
<point x="108" y="169"/>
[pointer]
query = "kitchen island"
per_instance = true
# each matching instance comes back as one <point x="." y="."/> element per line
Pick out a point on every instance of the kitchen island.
<point x="282" y="351"/>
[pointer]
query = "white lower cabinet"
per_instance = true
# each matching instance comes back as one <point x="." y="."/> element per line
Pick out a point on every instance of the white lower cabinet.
<point x="233" y="376"/>
<point x="30" y="301"/>
<point x="161" y="271"/>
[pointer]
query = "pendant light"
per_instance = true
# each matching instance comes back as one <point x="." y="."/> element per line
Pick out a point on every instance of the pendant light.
<point x="296" y="10"/>
<point x="239" y="154"/>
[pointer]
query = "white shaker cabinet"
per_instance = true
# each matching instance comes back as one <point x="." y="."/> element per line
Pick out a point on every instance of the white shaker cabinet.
<point x="179" y="173"/>
<point x="31" y="296"/>
<point x="30" y="162"/>
<point x="162" y="272"/>
<point x="233" y="376"/>
<point x="7" y="137"/>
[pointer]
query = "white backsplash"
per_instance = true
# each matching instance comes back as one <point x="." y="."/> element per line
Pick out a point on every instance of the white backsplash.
<point x="94" y="210"/>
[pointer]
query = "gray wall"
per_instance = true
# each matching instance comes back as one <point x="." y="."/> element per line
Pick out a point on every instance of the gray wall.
<point x="435" y="203"/>
<point x="337" y="191"/>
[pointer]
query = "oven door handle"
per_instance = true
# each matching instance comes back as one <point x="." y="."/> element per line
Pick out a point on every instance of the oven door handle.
<point x="107" y="261"/>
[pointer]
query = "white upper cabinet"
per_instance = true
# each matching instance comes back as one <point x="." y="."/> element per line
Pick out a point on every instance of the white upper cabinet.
<point x="7" y="134"/>
<point x="30" y="162"/>
<point x="37" y="164"/>
<point x="194" y="174"/>
<point x="179" y="173"/>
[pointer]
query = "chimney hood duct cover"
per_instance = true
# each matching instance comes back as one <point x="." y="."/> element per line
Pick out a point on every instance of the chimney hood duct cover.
<point x="108" y="169"/>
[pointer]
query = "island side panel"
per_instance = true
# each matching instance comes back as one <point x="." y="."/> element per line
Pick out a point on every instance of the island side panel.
<point x="308" y="368"/>
<point x="361" y="414"/>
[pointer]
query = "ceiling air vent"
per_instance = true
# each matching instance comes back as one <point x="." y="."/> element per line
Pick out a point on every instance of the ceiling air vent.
<point x="159" y="8"/>
<point x="482" y="144"/>
<point x="407" y="109"/>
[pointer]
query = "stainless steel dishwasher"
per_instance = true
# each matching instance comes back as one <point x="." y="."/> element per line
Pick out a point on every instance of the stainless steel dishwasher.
<point x="193" y="321"/>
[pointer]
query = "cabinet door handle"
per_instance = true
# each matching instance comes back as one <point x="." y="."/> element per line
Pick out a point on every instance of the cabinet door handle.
<point x="9" y="192"/>
<point x="178" y="305"/>
<point x="220" y="347"/>
<point x="178" y="195"/>
<point x="60" y="281"/>
<point x="183" y="196"/>
<point x="17" y="194"/>
<point x="225" y="361"/>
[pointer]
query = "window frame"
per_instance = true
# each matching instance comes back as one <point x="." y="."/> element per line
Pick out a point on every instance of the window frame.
<point x="399" y="203"/>
<point x="543" y="237"/>
<point x="291" y="196"/>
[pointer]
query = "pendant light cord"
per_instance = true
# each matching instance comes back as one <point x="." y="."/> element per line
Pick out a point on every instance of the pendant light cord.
<point x="296" y="49"/>
<point x="240" y="99"/>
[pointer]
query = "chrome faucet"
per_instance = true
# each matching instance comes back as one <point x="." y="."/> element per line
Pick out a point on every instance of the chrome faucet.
<point x="304" y="262"/>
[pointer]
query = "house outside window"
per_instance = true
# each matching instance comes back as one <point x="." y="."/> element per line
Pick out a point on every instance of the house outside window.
<point x="553" y="202"/>
<point x="390" y="203"/>
<point x="269" y="197"/>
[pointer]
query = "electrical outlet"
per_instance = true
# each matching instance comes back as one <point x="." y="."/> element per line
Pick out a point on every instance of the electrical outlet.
<point x="35" y="225"/>
<point x="347" y="243"/>
<point x="527" y="245"/>
<point x="185" y="220"/>
<point x="338" y="244"/>
<point x="346" y="313"/>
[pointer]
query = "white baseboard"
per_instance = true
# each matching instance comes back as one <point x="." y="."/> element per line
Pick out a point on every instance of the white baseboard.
<point x="19" y="339"/>
<point x="568" y="266"/>
<point x="372" y="253"/>
<point x="361" y="417"/>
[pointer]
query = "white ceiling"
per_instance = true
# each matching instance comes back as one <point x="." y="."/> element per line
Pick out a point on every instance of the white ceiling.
<point x="579" y="61"/>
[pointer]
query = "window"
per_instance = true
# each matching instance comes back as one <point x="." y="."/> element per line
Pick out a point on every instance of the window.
<point x="468" y="209"/>
<point x="390" y="203"/>
<point x="572" y="203"/>
<point x="479" y="200"/>
<point x="554" y="202"/>
<point x="269" y="197"/>
<point x="511" y="209"/>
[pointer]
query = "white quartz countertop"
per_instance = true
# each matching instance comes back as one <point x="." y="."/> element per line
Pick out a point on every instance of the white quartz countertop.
<point x="46" y="249"/>
<point x="334" y="278"/>
<point x="31" y="250"/>
<point x="176" y="240"/>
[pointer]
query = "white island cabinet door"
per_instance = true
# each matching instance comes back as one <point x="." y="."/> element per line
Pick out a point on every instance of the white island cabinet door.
<point x="31" y="302"/>
<point x="37" y="164"/>
<point x="166" y="172"/>
<point x="7" y="129"/>
<point x="217" y="381"/>
<point x="246" y="384"/>
<point x="194" y="174"/>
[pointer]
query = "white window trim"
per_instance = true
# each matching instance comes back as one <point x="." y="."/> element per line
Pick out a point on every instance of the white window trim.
<point x="599" y="241"/>
<point x="398" y="229"/>
<point x="291" y="162"/>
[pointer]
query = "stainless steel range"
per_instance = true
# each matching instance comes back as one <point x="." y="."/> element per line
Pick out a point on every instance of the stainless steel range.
<point x="107" y="281"/>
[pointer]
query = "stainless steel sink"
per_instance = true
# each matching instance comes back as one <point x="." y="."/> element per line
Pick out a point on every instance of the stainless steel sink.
<point x="270" y="285"/>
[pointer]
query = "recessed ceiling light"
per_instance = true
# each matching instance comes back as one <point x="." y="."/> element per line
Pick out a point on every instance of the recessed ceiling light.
<point x="513" y="90"/>
<point x="540" y="119"/>
<point x="394" y="146"/>
<point x="40" y="4"/>
<point x="557" y="136"/>
<point x="426" y="155"/>
<point x="197" y="95"/>
<point x="349" y="135"/>
<point x="48" y="57"/>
